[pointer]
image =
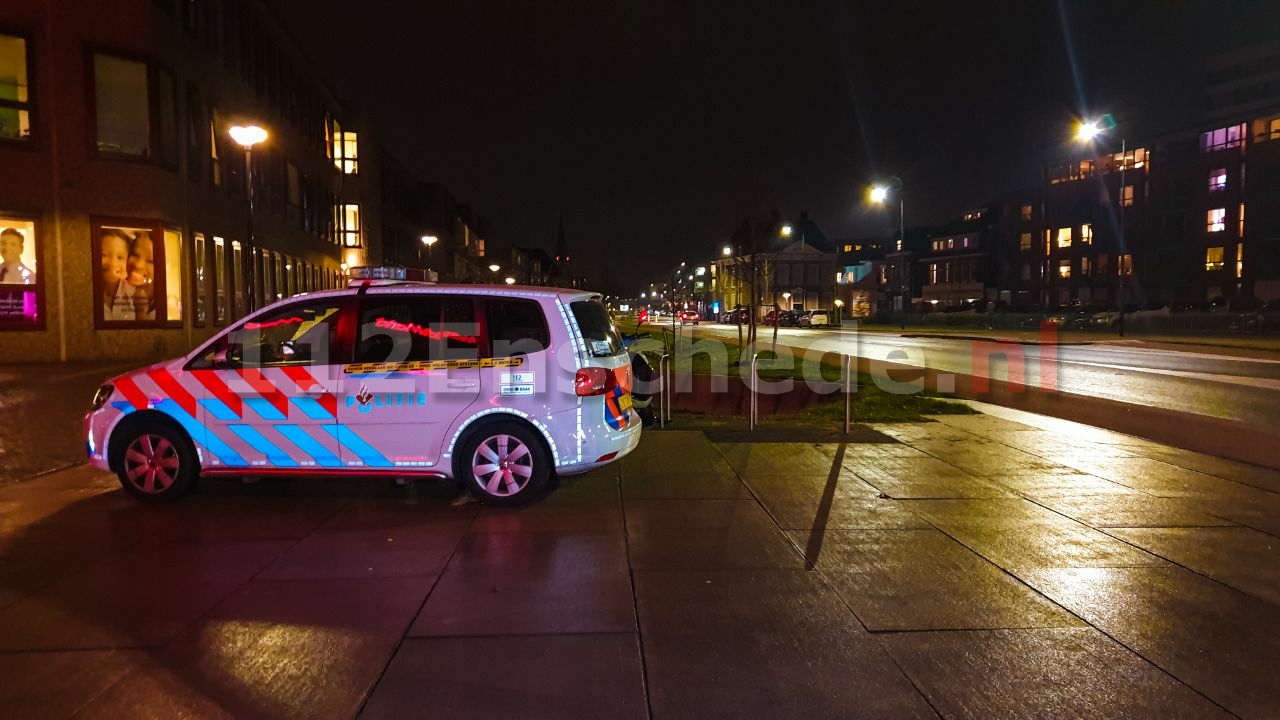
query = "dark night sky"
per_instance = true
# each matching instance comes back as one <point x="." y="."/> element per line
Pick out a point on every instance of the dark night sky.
<point x="655" y="127"/>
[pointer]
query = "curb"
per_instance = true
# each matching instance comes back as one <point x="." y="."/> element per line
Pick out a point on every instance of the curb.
<point x="988" y="338"/>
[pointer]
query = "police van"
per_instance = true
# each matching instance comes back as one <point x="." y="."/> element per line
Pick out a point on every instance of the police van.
<point x="500" y="387"/>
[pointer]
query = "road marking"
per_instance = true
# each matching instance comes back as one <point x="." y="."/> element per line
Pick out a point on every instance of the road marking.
<point x="1268" y="383"/>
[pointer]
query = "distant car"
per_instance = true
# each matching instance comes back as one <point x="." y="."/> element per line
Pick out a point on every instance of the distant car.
<point x="737" y="316"/>
<point x="689" y="317"/>
<point x="784" y="318"/>
<point x="815" y="318"/>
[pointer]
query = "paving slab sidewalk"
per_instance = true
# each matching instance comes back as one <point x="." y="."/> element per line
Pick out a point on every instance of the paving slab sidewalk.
<point x="978" y="566"/>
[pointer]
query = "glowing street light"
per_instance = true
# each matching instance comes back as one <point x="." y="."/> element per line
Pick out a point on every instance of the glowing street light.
<point x="878" y="194"/>
<point x="727" y="251"/>
<point x="786" y="230"/>
<point x="246" y="136"/>
<point x="510" y="280"/>
<point x="1086" y="132"/>
<point x="495" y="268"/>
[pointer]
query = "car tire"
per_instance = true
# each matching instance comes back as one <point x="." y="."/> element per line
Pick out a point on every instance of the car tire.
<point x="156" y="461"/>
<point x="504" y="464"/>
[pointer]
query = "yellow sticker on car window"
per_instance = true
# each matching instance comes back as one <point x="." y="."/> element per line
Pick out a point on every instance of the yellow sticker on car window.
<point x="407" y="366"/>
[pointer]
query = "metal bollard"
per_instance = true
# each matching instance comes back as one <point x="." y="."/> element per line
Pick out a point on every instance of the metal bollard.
<point x="848" y="396"/>
<point x="664" y="401"/>
<point x="753" y="418"/>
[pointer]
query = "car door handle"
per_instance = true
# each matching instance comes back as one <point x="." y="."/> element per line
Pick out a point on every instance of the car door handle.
<point x="463" y="384"/>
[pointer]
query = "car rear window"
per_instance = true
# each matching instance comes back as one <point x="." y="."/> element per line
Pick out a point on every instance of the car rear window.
<point x="593" y="320"/>
<point x="516" y="327"/>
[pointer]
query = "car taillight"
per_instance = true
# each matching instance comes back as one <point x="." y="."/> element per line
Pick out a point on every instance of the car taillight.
<point x="593" y="381"/>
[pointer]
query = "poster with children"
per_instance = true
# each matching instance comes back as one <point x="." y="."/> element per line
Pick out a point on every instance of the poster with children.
<point x="19" y="274"/>
<point x="127" y="283"/>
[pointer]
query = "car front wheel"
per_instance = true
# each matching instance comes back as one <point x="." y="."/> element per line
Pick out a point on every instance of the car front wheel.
<point x="157" y="464"/>
<point x="505" y="464"/>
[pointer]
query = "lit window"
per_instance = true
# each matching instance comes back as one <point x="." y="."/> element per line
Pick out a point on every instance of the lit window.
<point x="1126" y="264"/>
<point x="1267" y="128"/>
<point x="1126" y="195"/>
<point x="933" y="273"/>
<point x="1084" y="266"/>
<point x="1064" y="237"/>
<point x="1222" y="138"/>
<point x="898" y="244"/>
<point x="1213" y="258"/>
<point x="848" y="248"/>
<point x="1130" y="160"/>
<point x="215" y="159"/>
<point x="858" y="248"/>
<point x="1216" y="220"/>
<point x="346" y="153"/>
<point x="1086" y="234"/>
<point x="1241" y="233"/>
<point x="1064" y="268"/>
<point x="951" y="243"/>
<point x="1026" y="212"/>
<point x="15" y="100"/>
<point x="1217" y="179"/>
<point x="347" y="220"/>
<point x="1024" y="241"/>
<point x="1240" y="260"/>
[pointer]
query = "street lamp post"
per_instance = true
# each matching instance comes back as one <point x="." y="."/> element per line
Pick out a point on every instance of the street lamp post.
<point x="429" y="241"/>
<point x="1086" y="132"/>
<point x="878" y="195"/>
<point x="246" y="136"/>
<point x="839" y="309"/>
<point x="493" y="270"/>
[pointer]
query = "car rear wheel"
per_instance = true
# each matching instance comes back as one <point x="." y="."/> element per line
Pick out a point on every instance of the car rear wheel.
<point x="504" y="463"/>
<point x="157" y="464"/>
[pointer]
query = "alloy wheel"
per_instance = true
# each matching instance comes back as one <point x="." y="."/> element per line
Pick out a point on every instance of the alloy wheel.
<point x="151" y="463"/>
<point x="502" y="464"/>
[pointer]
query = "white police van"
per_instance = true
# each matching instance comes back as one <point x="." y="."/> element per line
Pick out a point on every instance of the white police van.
<point x="498" y="386"/>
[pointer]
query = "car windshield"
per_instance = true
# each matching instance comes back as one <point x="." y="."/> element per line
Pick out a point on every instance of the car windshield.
<point x="599" y="333"/>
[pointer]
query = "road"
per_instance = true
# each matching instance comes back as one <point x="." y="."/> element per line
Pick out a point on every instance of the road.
<point x="1230" y="387"/>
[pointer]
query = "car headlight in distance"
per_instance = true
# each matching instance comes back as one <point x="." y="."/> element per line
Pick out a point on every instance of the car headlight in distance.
<point x="102" y="395"/>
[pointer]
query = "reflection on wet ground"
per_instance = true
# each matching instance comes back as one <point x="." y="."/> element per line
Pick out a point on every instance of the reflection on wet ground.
<point x="993" y="565"/>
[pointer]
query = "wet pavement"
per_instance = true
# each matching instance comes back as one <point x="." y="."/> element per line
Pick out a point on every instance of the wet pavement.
<point x="997" y="565"/>
<point x="41" y="412"/>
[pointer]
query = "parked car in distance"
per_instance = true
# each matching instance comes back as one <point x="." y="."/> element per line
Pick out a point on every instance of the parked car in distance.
<point x="815" y="318"/>
<point x="689" y="316"/>
<point x="784" y="318"/>
<point x="737" y="316"/>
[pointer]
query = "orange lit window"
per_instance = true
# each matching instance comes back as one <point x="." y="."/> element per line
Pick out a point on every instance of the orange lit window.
<point x="1086" y="234"/>
<point x="1064" y="269"/>
<point x="1026" y="212"/>
<point x="1064" y="237"/>
<point x="1024" y="242"/>
<point x="1216" y="220"/>
<point x="1126" y="195"/>
<point x="1213" y="258"/>
<point x="1240" y="260"/>
<point x="1084" y="266"/>
<point x="1126" y="264"/>
<point x="1241" y="235"/>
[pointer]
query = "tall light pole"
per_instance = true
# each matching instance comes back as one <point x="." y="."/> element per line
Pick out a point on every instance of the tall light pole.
<point x="878" y="194"/>
<point x="429" y="241"/>
<point x="1086" y="132"/>
<point x="246" y="136"/>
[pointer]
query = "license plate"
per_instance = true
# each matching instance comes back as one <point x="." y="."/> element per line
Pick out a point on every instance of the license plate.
<point x="624" y="402"/>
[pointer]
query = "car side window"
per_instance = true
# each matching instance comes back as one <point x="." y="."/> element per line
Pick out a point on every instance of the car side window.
<point x="407" y="328"/>
<point x="301" y="334"/>
<point x="516" y="327"/>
